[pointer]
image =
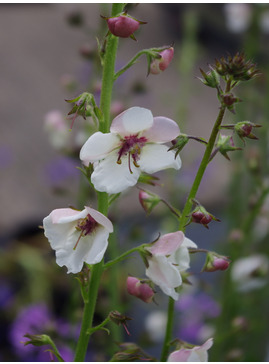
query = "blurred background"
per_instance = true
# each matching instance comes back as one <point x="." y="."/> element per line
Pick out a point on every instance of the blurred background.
<point x="49" y="54"/>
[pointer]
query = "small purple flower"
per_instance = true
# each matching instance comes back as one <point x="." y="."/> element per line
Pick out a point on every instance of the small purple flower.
<point x="36" y="319"/>
<point x="61" y="169"/>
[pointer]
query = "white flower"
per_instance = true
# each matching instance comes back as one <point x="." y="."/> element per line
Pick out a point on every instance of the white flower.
<point x="170" y="256"/>
<point x="134" y="145"/>
<point x="154" y="324"/>
<point x="196" y="354"/>
<point x="238" y="17"/>
<point x="77" y="236"/>
<point x="56" y="127"/>
<point x="250" y="272"/>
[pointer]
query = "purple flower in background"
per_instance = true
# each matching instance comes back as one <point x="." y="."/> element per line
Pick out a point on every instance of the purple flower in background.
<point x="37" y="319"/>
<point x="6" y="295"/>
<point x="6" y="156"/>
<point x="61" y="169"/>
<point x="195" y="309"/>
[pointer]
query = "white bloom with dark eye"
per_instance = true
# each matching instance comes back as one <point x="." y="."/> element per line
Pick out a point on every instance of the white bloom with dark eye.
<point x="169" y="257"/>
<point x="77" y="236"/>
<point x="134" y="145"/>
<point x="195" y="354"/>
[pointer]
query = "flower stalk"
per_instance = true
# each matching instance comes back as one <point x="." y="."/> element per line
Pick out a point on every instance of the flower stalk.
<point x="187" y="209"/>
<point x="105" y="102"/>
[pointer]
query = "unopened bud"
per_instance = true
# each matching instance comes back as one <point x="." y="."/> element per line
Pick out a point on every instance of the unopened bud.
<point x="123" y="26"/>
<point x="161" y="63"/>
<point x="244" y="129"/>
<point x="210" y="78"/>
<point x="148" y="200"/>
<point x="141" y="290"/>
<point x="215" y="262"/>
<point x="201" y="216"/>
<point x="37" y="340"/>
<point x="226" y="144"/>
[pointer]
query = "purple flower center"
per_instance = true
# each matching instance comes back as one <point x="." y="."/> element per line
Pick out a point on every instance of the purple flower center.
<point x="86" y="226"/>
<point x="131" y="145"/>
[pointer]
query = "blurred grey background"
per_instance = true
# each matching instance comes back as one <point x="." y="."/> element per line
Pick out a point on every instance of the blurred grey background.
<point x="38" y="47"/>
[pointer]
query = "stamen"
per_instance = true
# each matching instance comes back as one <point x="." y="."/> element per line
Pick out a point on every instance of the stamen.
<point x="78" y="240"/>
<point x="86" y="226"/>
<point x="129" y="162"/>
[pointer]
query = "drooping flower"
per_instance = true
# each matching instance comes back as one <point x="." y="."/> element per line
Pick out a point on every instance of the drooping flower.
<point x="134" y="145"/>
<point x="77" y="236"/>
<point x="160" y="64"/>
<point x="195" y="354"/>
<point x="249" y="273"/>
<point x="139" y="289"/>
<point x="169" y="257"/>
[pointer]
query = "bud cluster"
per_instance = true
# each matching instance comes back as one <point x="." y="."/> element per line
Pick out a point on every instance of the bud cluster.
<point x="201" y="216"/>
<point x="236" y="67"/>
<point x="84" y="105"/>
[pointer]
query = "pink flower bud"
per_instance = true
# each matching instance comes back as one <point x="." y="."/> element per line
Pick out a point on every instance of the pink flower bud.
<point x="148" y="200"/>
<point x="139" y="290"/>
<point x="201" y="218"/>
<point x="215" y="262"/>
<point x="160" y="64"/>
<point x="221" y="263"/>
<point x="122" y="26"/>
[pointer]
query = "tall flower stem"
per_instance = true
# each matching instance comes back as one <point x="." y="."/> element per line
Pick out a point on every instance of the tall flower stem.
<point x="97" y="270"/>
<point x="184" y="217"/>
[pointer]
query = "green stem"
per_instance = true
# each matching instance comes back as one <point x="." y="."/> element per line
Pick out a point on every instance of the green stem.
<point x="186" y="211"/>
<point x="122" y="256"/>
<point x="169" y="329"/>
<point x="151" y="51"/>
<point x="106" y="93"/>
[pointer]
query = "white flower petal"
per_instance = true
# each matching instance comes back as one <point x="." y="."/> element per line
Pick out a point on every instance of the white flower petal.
<point x="167" y="244"/>
<point x="163" y="130"/>
<point x="165" y="275"/>
<point x="90" y="249"/>
<point x="155" y="157"/>
<point x="188" y="243"/>
<point x="64" y="216"/>
<point x="111" y="177"/>
<point x="60" y="229"/>
<point x="98" y="146"/>
<point x="132" y="121"/>
<point x="57" y="234"/>
<point x="100" y="218"/>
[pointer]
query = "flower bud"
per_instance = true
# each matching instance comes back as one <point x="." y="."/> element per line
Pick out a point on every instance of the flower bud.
<point x="210" y="78"/>
<point x="161" y="63"/>
<point x="123" y="26"/>
<point x="201" y="216"/>
<point x="136" y="288"/>
<point x="225" y="144"/>
<point x="37" y="340"/>
<point x="244" y="129"/>
<point x="215" y="262"/>
<point x="148" y="200"/>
